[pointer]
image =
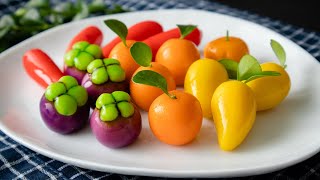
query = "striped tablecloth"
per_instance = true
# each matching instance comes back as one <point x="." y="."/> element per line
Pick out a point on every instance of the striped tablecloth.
<point x="19" y="162"/>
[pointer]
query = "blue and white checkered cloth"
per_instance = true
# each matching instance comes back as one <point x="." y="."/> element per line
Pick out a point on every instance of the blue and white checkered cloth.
<point x="19" y="162"/>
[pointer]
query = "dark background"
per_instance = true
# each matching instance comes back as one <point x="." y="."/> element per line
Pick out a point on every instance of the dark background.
<point x="304" y="13"/>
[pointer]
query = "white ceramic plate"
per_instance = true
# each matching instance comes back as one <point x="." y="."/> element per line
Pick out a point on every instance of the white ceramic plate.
<point x="280" y="137"/>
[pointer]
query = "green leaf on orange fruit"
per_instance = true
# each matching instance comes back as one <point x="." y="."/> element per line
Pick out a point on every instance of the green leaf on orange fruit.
<point x="141" y="53"/>
<point x="231" y="67"/>
<point x="152" y="78"/>
<point x="119" y="28"/>
<point x="279" y="51"/>
<point x="185" y="30"/>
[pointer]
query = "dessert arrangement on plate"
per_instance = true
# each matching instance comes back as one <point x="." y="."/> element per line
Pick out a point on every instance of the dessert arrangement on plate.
<point x="162" y="73"/>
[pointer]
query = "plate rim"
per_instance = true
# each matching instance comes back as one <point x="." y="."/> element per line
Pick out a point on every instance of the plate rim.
<point x="143" y="171"/>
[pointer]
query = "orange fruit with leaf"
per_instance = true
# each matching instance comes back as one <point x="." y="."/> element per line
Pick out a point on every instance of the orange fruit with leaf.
<point x="175" y="117"/>
<point x="143" y="95"/>
<point x="178" y="54"/>
<point x="121" y="51"/>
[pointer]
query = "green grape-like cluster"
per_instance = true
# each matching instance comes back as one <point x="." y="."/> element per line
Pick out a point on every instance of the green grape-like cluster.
<point x="67" y="95"/>
<point x="82" y="54"/>
<point x="111" y="105"/>
<point x="102" y="70"/>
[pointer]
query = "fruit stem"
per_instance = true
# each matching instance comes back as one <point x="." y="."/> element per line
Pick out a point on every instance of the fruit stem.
<point x="172" y="96"/>
<point x="227" y="36"/>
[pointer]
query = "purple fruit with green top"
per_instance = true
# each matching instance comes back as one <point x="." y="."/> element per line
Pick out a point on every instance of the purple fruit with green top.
<point x="104" y="76"/>
<point x="115" y="121"/>
<point x="77" y="59"/>
<point x="64" y="106"/>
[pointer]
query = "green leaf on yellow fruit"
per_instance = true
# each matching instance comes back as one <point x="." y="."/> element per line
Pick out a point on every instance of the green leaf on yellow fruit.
<point x="248" y="66"/>
<point x="263" y="74"/>
<point x="250" y="69"/>
<point x="279" y="52"/>
<point x="231" y="67"/>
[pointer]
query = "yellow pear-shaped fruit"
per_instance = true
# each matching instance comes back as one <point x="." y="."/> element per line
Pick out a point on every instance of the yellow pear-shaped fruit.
<point x="234" y="111"/>
<point x="270" y="90"/>
<point x="202" y="79"/>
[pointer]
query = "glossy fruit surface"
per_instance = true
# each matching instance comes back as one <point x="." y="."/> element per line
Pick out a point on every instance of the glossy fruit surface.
<point x="233" y="48"/>
<point x="122" y="54"/>
<point x="115" y="121"/>
<point x="138" y="32"/>
<point x="60" y="123"/>
<point x="201" y="80"/>
<point x="104" y="76"/>
<point x="144" y="95"/>
<point x="175" y="121"/>
<point x="90" y="34"/>
<point x="157" y="40"/>
<point x="272" y="90"/>
<point x="177" y="55"/>
<point x="234" y="111"/>
<point x="40" y="67"/>
<point x="64" y="106"/>
<point x="77" y="59"/>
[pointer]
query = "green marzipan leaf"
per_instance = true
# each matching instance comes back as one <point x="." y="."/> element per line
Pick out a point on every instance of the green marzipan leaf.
<point x="151" y="78"/>
<point x="263" y="74"/>
<point x="141" y="53"/>
<point x="185" y="30"/>
<point x="279" y="51"/>
<point x="231" y="67"/>
<point x="248" y="66"/>
<point x="119" y="28"/>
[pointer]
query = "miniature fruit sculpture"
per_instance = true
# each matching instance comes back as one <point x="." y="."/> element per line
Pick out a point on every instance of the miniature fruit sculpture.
<point x="178" y="54"/>
<point x="234" y="112"/>
<point x="157" y="40"/>
<point x="201" y="80"/>
<point x="233" y="104"/>
<point x="104" y="76"/>
<point x="40" y="67"/>
<point x="121" y="51"/>
<point x="226" y="48"/>
<point x="115" y="121"/>
<point x="143" y="95"/>
<point x="63" y="106"/>
<point x="271" y="91"/>
<point x="174" y="117"/>
<point x="90" y="34"/>
<point x="227" y="85"/>
<point x="77" y="59"/>
<point x="138" y="32"/>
